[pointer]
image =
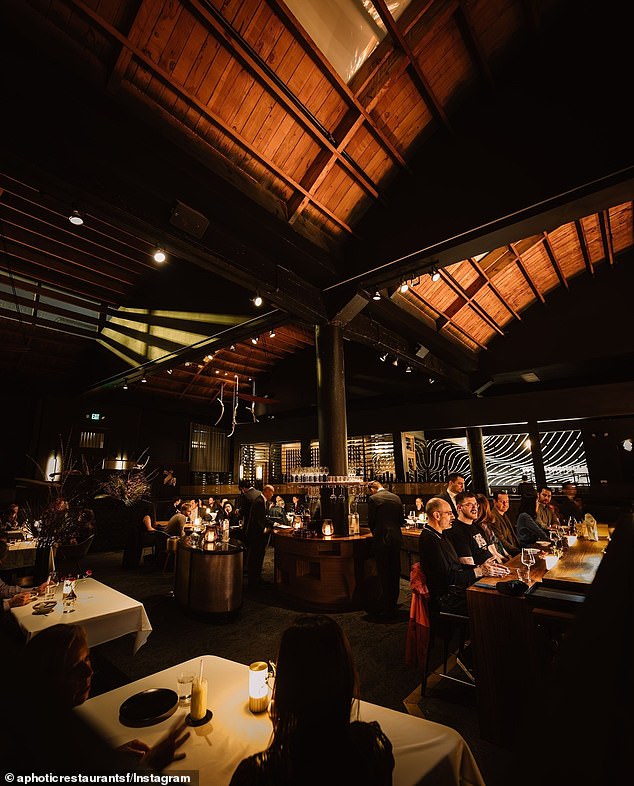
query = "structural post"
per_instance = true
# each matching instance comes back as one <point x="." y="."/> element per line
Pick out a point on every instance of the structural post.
<point x="536" y="454"/>
<point x="331" y="414"/>
<point x="475" y="446"/>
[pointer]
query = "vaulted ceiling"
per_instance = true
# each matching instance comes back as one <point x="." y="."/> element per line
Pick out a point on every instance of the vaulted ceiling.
<point x="483" y="141"/>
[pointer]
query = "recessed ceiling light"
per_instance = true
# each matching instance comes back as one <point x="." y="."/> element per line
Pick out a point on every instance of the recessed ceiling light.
<point x="233" y="347"/>
<point x="159" y="255"/>
<point x="530" y="376"/>
<point x="76" y="218"/>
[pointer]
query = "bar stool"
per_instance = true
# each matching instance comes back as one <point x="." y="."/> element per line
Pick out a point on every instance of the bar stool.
<point x="447" y="627"/>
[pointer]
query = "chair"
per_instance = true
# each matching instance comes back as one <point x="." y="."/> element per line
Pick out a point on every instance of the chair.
<point x="69" y="555"/>
<point x="171" y="547"/>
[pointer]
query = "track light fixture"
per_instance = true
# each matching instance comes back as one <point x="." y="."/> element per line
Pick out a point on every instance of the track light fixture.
<point x="255" y="340"/>
<point x="376" y="295"/>
<point x="431" y="380"/>
<point x="403" y="287"/>
<point x="272" y="333"/>
<point x="257" y="300"/>
<point x="159" y="255"/>
<point x="435" y="275"/>
<point x="76" y="218"/>
<point x="125" y="384"/>
<point x="395" y="362"/>
<point x="408" y="370"/>
<point x="383" y="358"/>
<point x="169" y="371"/>
<point x="233" y="347"/>
<point x="143" y="379"/>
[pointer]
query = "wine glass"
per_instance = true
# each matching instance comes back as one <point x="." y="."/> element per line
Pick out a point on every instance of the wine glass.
<point x="528" y="559"/>
<point x="51" y="584"/>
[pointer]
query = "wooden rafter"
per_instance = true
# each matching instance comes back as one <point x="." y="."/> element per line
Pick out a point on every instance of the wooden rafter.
<point x="465" y="298"/>
<point x="553" y="260"/>
<point x="418" y="76"/>
<point x="525" y="273"/>
<point x="227" y="35"/>
<point x="444" y="319"/>
<point x="584" y="247"/>
<point x="467" y="30"/>
<point x="476" y="266"/>
<point x="212" y="117"/>
<point x="606" y="235"/>
<point x="342" y="88"/>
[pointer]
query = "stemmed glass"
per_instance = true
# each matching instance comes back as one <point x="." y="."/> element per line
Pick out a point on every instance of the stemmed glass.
<point x="51" y="584"/>
<point x="528" y="559"/>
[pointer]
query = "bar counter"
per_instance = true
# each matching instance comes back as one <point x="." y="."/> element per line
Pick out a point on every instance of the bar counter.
<point x="325" y="574"/>
<point x="516" y="637"/>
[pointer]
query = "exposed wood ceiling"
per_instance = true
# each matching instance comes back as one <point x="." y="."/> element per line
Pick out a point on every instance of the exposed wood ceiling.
<point x="487" y="139"/>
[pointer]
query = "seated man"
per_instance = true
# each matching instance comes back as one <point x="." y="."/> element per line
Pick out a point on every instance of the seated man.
<point x="545" y="515"/>
<point x="569" y="506"/>
<point x="13" y="595"/>
<point x="467" y="536"/>
<point x="176" y="525"/>
<point x="448" y="578"/>
<point x="501" y="523"/>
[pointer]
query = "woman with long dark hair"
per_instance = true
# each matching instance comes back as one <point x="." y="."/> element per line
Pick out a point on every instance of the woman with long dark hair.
<point x="315" y="742"/>
<point x="528" y="530"/>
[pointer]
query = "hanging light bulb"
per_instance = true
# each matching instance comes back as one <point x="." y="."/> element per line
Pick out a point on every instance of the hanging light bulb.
<point x="159" y="255"/>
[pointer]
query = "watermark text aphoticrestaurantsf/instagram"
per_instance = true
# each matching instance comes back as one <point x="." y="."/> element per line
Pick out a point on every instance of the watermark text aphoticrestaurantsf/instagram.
<point x="190" y="778"/>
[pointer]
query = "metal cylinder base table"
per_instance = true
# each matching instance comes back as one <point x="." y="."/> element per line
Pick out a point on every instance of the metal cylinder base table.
<point x="208" y="577"/>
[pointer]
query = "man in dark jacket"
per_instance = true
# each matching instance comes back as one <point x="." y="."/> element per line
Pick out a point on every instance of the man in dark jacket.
<point x="385" y="519"/>
<point x="257" y="535"/>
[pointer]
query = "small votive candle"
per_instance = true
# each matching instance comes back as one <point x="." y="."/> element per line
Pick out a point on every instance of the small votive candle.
<point x="550" y="560"/>
<point x="258" y="687"/>
<point x="572" y="539"/>
<point x="199" y="699"/>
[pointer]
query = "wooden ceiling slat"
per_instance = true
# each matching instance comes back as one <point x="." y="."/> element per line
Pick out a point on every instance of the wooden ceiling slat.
<point x="419" y="77"/>
<point x="465" y="298"/>
<point x="621" y="226"/>
<point x="584" y="247"/>
<point x="554" y="261"/>
<point x="524" y="272"/>
<point x="233" y="41"/>
<point x="446" y="61"/>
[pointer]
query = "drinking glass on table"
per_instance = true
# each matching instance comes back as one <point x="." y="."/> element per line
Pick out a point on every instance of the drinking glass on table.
<point x="528" y="559"/>
<point x="51" y="584"/>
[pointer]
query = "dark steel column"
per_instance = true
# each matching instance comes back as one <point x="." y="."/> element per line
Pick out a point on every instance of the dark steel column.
<point x="536" y="454"/>
<point x="331" y="414"/>
<point x="475" y="446"/>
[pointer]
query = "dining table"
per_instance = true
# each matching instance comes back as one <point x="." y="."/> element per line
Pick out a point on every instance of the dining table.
<point x="103" y="612"/>
<point x="425" y="752"/>
<point x="20" y="554"/>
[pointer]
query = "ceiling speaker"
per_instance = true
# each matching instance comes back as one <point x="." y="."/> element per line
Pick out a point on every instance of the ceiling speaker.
<point x="189" y="220"/>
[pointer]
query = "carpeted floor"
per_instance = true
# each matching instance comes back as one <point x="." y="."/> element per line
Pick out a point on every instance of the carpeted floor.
<point x="253" y="634"/>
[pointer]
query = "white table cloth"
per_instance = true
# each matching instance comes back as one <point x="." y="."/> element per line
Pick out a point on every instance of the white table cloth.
<point x="104" y="613"/>
<point x="21" y="554"/>
<point x="425" y="752"/>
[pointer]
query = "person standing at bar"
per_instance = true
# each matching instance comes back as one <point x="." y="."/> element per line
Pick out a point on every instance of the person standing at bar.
<point x="455" y="485"/>
<point x="258" y="530"/>
<point x="385" y="519"/>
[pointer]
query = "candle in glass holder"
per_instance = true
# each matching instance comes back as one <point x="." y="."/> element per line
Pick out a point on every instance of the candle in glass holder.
<point x="258" y="687"/>
<point x="199" y="699"/>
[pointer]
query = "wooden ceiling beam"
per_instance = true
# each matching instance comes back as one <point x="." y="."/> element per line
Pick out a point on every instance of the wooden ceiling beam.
<point x="466" y="27"/>
<point x="418" y="76"/>
<point x="525" y="273"/>
<point x="606" y="236"/>
<point x="212" y="117"/>
<point x="468" y="299"/>
<point x="476" y="266"/>
<point x="583" y="245"/>
<point x="342" y="88"/>
<point x="230" y="37"/>
<point x="553" y="260"/>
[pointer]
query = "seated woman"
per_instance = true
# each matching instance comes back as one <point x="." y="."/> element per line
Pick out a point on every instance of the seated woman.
<point x="485" y="518"/>
<point x="526" y="526"/>
<point x="143" y="533"/>
<point x="419" y="506"/>
<point x="316" y="693"/>
<point x="57" y="661"/>
<point x="277" y="511"/>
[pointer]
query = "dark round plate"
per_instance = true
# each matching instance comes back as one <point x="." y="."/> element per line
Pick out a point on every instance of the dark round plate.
<point x="148" y="707"/>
